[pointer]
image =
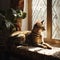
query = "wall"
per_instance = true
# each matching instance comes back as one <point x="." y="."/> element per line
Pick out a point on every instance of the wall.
<point x="4" y="4"/>
<point x="25" y="21"/>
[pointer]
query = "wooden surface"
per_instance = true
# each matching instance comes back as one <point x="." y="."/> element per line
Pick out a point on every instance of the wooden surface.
<point x="35" y="53"/>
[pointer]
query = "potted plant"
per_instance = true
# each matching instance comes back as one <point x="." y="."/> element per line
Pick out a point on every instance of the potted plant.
<point x="15" y="17"/>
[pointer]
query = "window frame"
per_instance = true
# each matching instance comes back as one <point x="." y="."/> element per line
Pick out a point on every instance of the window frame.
<point x="49" y="21"/>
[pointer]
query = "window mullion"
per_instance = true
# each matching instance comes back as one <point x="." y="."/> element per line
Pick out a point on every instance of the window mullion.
<point x="49" y="19"/>
<point x="29" y="14"/>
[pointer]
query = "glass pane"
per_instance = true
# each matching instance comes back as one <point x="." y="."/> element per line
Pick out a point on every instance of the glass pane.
<point x="39" y="12"/>
<point x="56" y="19"/>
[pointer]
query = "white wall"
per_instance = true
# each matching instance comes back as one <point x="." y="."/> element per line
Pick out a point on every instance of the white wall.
<point x="25" y="21"/>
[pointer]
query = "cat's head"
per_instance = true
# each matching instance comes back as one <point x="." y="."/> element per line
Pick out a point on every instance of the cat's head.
<point x="39" y="26"/>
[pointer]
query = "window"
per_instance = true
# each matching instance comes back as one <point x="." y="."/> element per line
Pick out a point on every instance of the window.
<point x="56" y="19"/>
<point x="47" y="10"/>
<point x="39" y="12"/>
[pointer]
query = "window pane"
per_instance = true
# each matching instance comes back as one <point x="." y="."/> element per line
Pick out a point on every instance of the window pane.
<point x="56" y="19"/>
<point x="39" y="12"/>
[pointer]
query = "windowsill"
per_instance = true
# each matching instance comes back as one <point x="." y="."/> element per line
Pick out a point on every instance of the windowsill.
<point x="53" y="42"/>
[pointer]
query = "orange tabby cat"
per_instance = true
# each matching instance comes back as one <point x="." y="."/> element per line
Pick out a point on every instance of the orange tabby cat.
<point x="35" y="37"/>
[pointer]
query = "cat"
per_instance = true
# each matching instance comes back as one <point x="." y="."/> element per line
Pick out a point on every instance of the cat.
<point x="35" y="37"/>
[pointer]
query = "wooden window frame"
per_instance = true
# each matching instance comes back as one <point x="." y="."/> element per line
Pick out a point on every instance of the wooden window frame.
<point x="29" y="14"/>
<point x="49" y="21"/>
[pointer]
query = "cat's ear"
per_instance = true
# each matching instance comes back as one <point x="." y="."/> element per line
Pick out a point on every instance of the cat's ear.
<point x="42" y="21"/>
